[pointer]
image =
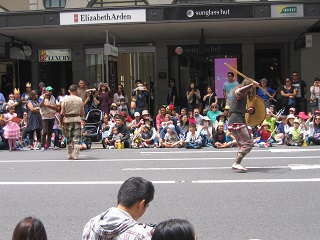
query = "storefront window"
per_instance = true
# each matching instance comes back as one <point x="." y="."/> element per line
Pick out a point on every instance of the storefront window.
<point x="94" y="68"/>
<point x="54" y="3"/>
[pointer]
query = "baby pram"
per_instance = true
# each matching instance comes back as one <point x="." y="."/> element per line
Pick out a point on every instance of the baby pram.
<point x="93" y="125"/>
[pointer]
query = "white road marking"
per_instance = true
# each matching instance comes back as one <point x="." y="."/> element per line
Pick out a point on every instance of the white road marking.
<point x="277" y="150"/>
<point x="154" y="159"/>
<point x="197" y="151"/>
<point x="167" y="182"/>
<point x="304" y="166"/>
<point x="260" y="180"/>
<point x="196" y="168"/>
<point x="78" y="183"/>
<point x="233" y="150"/>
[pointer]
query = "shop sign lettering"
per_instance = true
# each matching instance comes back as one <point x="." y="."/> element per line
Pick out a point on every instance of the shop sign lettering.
<point x="55" y="55"/>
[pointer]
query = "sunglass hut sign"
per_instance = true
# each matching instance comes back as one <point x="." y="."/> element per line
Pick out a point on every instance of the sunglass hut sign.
<point x="100" y="17"/>
<point x="214" y="12"/>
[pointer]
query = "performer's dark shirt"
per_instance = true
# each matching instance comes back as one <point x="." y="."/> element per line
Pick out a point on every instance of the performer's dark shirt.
<point x="237" y="109"/>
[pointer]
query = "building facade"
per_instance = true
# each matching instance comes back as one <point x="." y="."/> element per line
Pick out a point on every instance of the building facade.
<point x="60" y="42"/>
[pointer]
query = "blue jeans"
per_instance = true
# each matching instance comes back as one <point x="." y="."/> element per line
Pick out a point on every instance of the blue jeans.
<point x="193" y="145"/>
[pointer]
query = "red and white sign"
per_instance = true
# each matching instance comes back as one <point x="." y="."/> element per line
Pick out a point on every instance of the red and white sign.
<point x="100" y="17"/>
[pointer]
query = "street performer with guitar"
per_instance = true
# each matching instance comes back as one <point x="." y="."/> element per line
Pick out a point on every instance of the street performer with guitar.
<point x="71" y="111"/>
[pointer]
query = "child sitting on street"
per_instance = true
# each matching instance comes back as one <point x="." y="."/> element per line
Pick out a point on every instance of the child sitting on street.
<point x="149" y="134"/>
<point x="295" y="136"/>
<point x="137" y="140"/>
<point x="219" y="137"/>
<point x="171" y="139"/>
<point x="193" y="139"/>
<point x="136" y="122"/>
<point x="83" y="134"/>
<point x="264" y="135"/>
<point x="116" y="138"/>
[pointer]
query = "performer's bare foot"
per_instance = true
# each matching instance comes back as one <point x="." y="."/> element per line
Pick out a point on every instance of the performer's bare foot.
<point x="236" y="166"/>
<point x="70" y="156"/>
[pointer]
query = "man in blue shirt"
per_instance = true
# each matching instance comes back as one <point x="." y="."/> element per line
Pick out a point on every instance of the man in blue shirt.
<point x="228" y="86"/>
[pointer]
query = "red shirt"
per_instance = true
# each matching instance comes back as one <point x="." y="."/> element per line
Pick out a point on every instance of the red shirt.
<point x="265" y="135"/>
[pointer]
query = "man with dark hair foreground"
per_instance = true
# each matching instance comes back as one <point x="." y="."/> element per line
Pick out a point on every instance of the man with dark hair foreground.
<point x="119" y="223"/>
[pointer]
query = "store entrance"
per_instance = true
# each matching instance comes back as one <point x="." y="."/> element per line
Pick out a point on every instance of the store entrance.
<point x="14" y="74"/>
<point x="138" y="64"/>
<point x="56" y="74"/>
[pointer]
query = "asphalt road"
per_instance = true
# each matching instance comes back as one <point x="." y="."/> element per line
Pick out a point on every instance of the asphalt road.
<point x="278" y="198"/>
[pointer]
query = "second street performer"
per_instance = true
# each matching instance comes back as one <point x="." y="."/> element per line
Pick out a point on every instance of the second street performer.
<point x="237" y="122"/>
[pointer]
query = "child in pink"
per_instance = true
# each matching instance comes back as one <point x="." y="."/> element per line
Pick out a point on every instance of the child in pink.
<point x="12" y="129"/>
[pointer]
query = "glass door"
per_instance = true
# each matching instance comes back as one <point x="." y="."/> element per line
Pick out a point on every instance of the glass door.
<point x="94" y="73"/>
<point x="138" y="63"/>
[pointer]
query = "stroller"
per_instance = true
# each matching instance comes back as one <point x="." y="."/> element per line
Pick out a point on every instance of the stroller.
<point x="93" y="125"/>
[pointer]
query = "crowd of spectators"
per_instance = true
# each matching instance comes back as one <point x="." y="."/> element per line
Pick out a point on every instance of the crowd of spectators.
<point x="32" y="118"/>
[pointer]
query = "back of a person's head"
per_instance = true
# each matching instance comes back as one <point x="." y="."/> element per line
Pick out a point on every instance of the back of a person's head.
<point x="174" y="229"/>
<point x="135" y="189"/>
<point x="29" y="228"/>
<point x="73" y="88"/>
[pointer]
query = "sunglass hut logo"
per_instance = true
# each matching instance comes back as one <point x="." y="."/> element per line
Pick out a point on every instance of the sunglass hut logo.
<point x="207" y="13"/>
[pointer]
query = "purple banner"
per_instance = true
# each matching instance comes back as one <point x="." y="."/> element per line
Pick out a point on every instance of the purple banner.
<point x="221" y="71"/>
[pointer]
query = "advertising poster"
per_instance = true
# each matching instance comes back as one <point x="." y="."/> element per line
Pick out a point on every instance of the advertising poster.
<point x="221" y="71"/>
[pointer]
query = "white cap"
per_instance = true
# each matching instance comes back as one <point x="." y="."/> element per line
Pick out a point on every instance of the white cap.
<point x="137" y="114"/>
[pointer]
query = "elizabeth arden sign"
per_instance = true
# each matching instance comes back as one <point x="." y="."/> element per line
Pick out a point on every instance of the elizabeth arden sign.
<point x="55" y="55"/>
<point x="102" y="17"/>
